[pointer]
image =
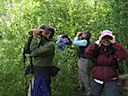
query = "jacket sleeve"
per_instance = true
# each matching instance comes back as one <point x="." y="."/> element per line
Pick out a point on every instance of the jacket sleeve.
<point x="60" y="45"/>
<point x="43" y="50"/>
<point x="78" y="42"/>
<point x="69" y="42"/>
<point x="120" y="52"/>
<point x="91" y="50"/>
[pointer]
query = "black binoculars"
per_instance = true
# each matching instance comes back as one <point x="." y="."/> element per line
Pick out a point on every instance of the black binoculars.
<point x="31" y="32"/>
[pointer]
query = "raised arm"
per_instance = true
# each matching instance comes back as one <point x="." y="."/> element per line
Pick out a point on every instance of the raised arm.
<point x="120" y="52"/>
<point x="44" y="50"/>
<point x="91" y="50"/>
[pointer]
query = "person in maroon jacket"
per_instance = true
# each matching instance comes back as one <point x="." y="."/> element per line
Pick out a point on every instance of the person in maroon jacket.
<point x="106" y="53"/>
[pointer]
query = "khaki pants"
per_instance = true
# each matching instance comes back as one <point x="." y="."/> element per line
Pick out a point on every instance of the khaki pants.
<point x="82" y="74"/>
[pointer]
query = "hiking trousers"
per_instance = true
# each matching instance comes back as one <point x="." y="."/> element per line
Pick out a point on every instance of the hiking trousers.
<point x="40" y="86"/>
<point x="82" y="74"/>
<point x="110" y="88"/>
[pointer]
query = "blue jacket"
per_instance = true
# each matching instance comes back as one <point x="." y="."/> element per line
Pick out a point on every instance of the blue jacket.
<point x="62" y="44"/>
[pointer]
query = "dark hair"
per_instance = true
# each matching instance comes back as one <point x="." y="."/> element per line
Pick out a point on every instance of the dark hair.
<point x="88" y="35"/>
<point x="107" y="37"/>
<point x="48" y="29"/>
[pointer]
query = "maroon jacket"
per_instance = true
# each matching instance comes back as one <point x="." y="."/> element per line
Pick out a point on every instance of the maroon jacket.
<point x="105" y="60"/>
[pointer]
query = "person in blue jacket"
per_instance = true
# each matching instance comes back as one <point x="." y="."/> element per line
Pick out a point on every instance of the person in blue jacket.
<point x="63" y="42"/>
<point x="82" y="41"/>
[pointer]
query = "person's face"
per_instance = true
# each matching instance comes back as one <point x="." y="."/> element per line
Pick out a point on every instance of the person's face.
<point x="44" y="34"/>
<point x="105" y="42"/>
<point x="62" y="38"/>
<point x="83" y="35"/>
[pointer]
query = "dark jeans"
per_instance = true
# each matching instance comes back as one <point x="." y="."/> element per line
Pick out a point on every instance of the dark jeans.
<point x="110" y="88"/>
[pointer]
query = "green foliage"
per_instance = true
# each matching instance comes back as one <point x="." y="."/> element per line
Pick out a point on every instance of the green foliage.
<point x="18" y="17"/>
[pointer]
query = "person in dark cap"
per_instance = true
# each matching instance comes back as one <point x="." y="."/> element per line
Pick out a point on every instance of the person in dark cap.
<point x="82" y="60"/>
<point x="41" y="49"/>
<point x="106" y="52"/>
